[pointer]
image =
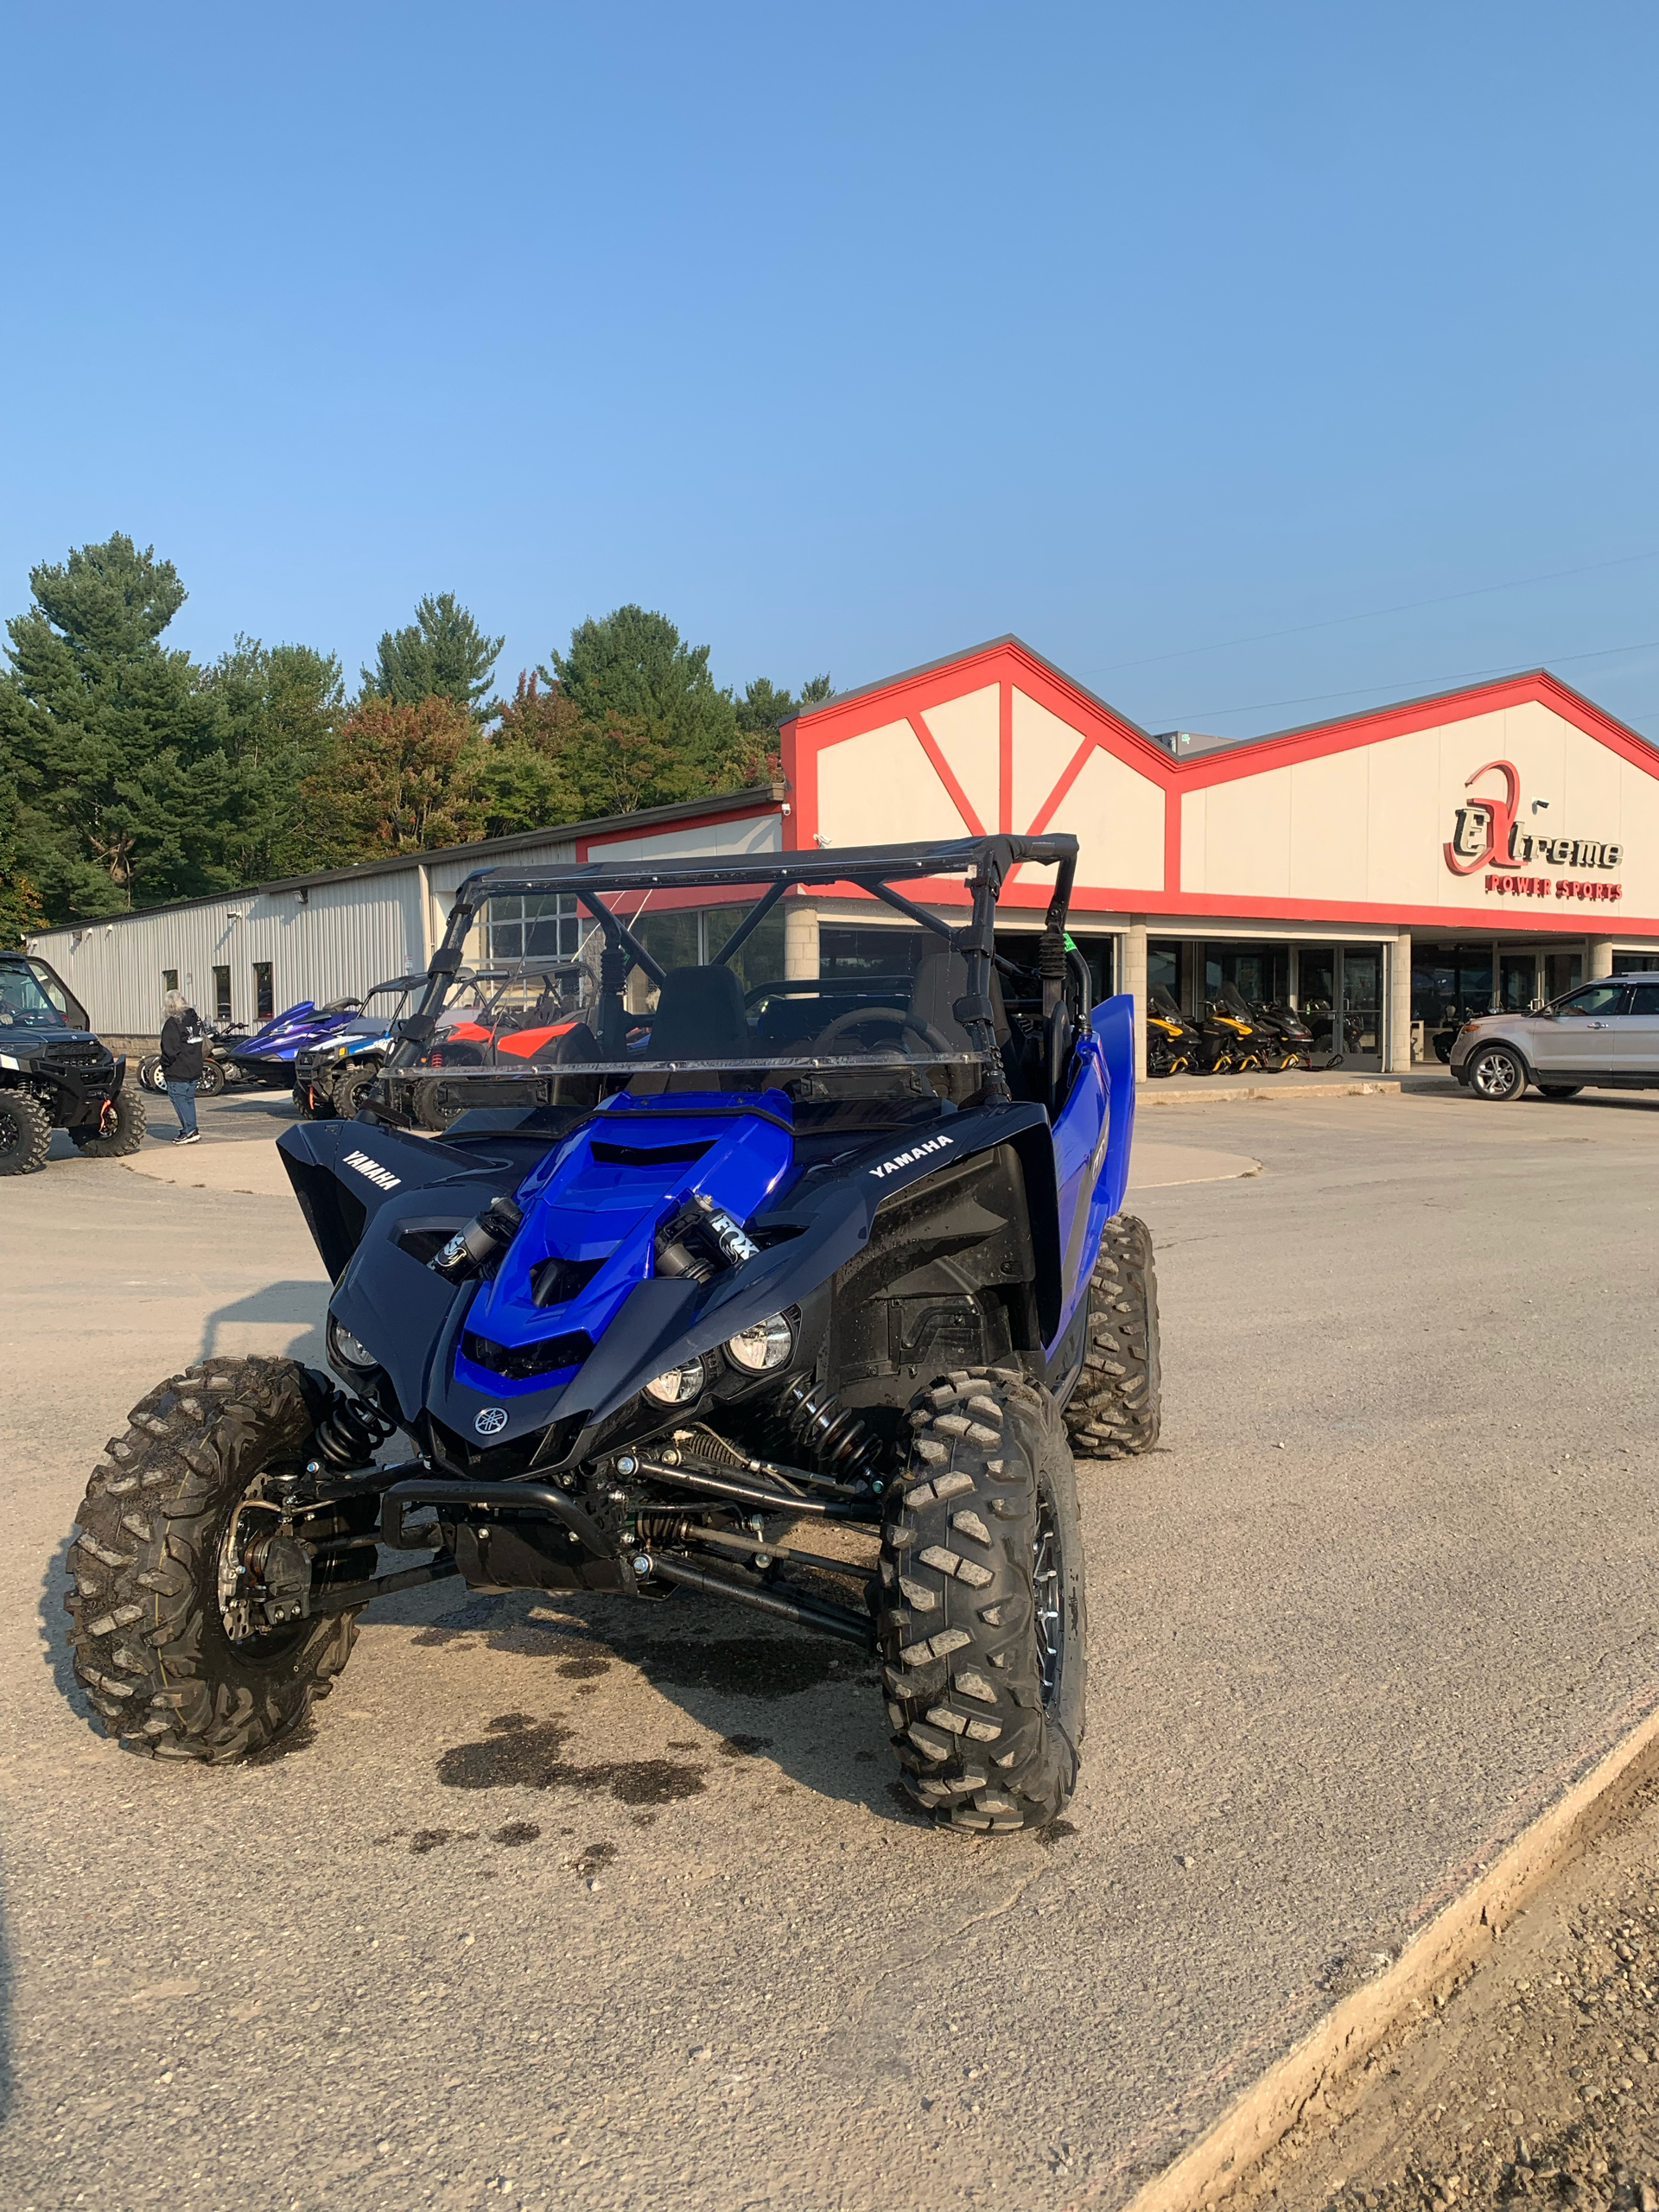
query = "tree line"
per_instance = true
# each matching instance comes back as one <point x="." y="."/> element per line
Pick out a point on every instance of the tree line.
<point x="131" y="774"/>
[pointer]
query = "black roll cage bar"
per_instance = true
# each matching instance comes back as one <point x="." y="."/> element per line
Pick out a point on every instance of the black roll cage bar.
<point x="985" y="861"/>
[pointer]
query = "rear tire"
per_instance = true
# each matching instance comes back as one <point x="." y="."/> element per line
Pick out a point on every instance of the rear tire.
<point x="154" y="1648"/>
<point x="126" y="1136"/>
<point x="1116" y="1409"/>
<point x="980" y="1613"/>
<point x="1498" y="1075"/>
<point x="150" y="1077"/>
<point x="25" y="1133"/>
<point x="1560" y="1089"/>
<point x="211" y="1081"/>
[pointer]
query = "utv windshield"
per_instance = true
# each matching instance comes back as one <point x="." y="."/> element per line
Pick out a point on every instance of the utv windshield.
<point x="32" y="997"/>
<point x="670" y="985"/>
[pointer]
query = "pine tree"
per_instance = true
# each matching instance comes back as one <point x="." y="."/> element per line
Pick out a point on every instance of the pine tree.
<point x="107" y="739"/>
<point x="442" y="654"/>
<point x="630" y="671"/>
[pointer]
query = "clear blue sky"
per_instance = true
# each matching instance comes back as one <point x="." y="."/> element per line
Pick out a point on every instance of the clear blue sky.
<point x="849" y="335"/>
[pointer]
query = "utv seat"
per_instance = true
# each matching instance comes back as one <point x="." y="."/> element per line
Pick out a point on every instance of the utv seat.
<point x="700" y="1016"/>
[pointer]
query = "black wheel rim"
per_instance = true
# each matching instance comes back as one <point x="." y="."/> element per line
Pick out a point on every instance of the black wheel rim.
<point x="1048" y="1596"/>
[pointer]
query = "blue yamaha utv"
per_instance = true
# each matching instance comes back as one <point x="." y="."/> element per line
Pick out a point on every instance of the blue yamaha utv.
<point x="784" y="1270"/>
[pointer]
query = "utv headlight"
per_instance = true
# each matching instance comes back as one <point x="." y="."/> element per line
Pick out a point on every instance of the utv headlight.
<point x="763" y="1345"/>
<point x="347" y="1350"/>
<point x="678" y="1387"/>
<point x="6" y="1061"/>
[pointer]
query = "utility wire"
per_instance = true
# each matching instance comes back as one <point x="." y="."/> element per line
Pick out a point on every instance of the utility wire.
<point x="1370" y="615"/>
<point x="1465" y="676"/>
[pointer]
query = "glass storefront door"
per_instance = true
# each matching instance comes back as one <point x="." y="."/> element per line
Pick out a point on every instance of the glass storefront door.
<point x="1359" y="987"/>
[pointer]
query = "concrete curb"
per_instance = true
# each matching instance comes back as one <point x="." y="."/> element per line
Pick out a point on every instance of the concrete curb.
<point x="1146" y="1095"/>
<point x="1226" y="2161"/>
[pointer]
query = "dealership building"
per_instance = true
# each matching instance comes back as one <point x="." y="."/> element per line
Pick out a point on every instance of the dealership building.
<point x="1392" y="871"/>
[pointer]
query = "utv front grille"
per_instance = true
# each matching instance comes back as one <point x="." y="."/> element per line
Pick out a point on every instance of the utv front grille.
<point x="76" y="1060"/>
<point x="640" y="1155"/>
<point x="518" y="1363"/>
<point x="554" y="1282"/>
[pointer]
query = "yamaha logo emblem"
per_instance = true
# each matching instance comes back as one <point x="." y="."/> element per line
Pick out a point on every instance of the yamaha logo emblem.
<point x="491" y="1420"/>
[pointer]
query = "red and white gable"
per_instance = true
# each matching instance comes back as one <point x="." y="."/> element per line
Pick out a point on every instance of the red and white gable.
<point x="1517" y="801"/>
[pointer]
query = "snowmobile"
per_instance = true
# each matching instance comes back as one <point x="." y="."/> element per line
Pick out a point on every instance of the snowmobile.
<point x="1234" y="1040"/>
<point x="788" y="1291"/>
<point x="1288" y="1041"/>
<point x="1174" y="1044"/>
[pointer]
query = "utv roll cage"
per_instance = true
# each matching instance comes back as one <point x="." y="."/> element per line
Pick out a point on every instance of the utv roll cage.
<point x="986" y="863"/>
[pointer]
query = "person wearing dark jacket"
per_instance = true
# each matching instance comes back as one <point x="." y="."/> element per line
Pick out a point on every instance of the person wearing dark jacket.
<point x="181" y="1042"/>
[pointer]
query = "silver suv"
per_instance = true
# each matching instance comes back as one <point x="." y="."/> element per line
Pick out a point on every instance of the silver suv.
<point x="1605" y="1034"/>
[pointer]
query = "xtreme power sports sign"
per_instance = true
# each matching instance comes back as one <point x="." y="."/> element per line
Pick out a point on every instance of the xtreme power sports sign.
<point x="1490" y="834"/>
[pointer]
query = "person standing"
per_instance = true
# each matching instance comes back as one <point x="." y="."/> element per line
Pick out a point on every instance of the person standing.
<point x="181" y="1042"/>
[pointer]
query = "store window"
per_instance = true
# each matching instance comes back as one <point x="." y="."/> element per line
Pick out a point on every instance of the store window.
<point x="1563" y="971"/>
<point x="264" y="996"/>
<point x="869" y="952"/>
<point x="169" y="979"/>
<point x="547" y="928"/>
<point x="1636" y="964"/>
<point x="1259" y="973"/>
<point x="1517" y="984"/>
<point x="1451" y="983"/>
<point x="221" y="994"/>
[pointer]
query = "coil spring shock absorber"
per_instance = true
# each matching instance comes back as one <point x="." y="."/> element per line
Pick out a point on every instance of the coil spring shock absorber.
<point x="832" y="1434"/>
<point x="654" y="1525"/>
<point x="350" y="1433"/>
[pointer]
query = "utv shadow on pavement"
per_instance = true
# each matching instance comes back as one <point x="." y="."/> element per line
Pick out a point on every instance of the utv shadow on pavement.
<point x="300" y="1305"/>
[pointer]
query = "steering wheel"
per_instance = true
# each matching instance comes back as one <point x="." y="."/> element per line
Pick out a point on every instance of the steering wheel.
<point x="855" y="1016"/>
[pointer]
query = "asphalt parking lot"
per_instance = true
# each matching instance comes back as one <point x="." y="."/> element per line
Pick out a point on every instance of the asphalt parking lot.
<point x="558" y="1905"/>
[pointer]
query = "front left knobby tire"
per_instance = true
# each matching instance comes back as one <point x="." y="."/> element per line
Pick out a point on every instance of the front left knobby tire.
<point x="25" y="1133"/>
<point x="980" y="1614"/>
<point x="174" y="1655"/>
<point x="1116" y="1410"/>
<point x="126" y="1136"/>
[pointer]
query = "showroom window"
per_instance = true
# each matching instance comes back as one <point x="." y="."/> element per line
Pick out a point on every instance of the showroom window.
<point x="169" y="979"/>
<point x="221" y="994"/>
<point x="546" y="928"/>
<point x="264" y="994"/>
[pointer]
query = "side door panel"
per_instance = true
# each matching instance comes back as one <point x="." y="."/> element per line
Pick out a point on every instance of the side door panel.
<point x="1576" y="1043"/>
<point x="1635" y="1036"/>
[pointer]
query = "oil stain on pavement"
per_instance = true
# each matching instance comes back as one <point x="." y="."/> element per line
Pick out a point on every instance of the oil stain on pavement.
<point x="519" y="1754"/>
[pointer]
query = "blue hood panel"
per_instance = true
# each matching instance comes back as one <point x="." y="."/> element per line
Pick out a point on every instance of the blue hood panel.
<point x="600" y="1196"/>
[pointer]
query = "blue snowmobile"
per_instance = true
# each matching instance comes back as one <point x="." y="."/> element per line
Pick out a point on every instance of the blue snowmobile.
<point x="785" y="1273"/>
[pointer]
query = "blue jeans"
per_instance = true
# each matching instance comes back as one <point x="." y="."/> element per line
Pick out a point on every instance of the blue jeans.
<point x="183" y="1096"/>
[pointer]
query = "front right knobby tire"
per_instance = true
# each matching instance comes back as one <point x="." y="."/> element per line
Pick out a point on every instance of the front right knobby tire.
<point x="1117" y="1407"/>
<point x="979" y="1608"/>
<point x="125" y="1137"/>
<point x="152" y="1647"/>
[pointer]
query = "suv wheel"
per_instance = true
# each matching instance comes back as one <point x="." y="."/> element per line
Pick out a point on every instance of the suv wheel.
<point x="1116" y="1408"/>
<point x="979" y="1610"/>
<point x="25" y="1133"/>
<point x="126" y="1136"/>
<point x="182" y="1559"/>
<point x="1497" y="1074"/>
